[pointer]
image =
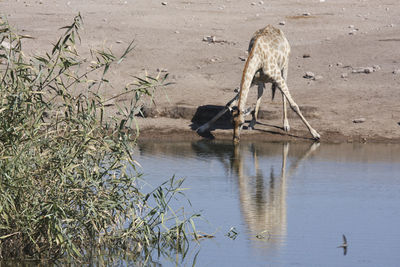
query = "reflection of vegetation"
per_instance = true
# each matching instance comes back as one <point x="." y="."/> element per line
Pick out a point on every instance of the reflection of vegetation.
<point x="67" y="176"/>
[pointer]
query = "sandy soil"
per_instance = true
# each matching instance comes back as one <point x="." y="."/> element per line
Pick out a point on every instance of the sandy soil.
<point x="337" y="37"/>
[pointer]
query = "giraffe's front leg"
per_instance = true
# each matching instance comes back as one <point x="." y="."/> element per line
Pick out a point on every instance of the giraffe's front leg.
<point x="260" y="92"/>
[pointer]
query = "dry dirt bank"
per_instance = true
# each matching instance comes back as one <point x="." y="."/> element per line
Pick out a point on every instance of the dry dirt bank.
<point x="337" y="37"/>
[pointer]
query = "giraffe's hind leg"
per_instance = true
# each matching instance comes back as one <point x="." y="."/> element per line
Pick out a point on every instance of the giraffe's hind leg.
<point x="284" y="73"/>
<point x="286" y="126"/>
<point x="253" y="122"/>
<point x="285" y="91"/>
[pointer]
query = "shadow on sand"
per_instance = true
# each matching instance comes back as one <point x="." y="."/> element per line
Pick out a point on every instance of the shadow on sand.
<point x="205" y="113"/>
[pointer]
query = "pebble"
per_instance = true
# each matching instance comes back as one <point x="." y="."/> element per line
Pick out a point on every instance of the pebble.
<point x="309" y="75"/>
<point x="164" y="3"/>
<point x="376" y="67"/>
<point x="210" y="39"/>
<point x="359" y="120"/>
<point x="5" y="44"/>
<point x="366" y="70"/>
<point x="261" y="2"/>
<point x="344" y="75"/>
<point x="306" y="55"/>
<point x="282" y="23"/>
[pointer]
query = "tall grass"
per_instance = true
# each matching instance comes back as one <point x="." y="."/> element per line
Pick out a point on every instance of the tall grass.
<point x="67" y="174"/>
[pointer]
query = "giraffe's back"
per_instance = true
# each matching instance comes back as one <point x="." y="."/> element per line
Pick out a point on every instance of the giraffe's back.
<point x="272" y="44"/>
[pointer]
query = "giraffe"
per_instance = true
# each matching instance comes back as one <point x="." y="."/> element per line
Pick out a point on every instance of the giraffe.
<point x="269" y="57"/>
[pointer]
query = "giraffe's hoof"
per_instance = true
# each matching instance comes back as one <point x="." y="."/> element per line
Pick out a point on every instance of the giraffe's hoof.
<point x="315" y="135"/>
<point x="286" y="128"/>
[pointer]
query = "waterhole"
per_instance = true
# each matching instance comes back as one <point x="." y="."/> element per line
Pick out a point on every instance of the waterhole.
<point x="284" y="204"/>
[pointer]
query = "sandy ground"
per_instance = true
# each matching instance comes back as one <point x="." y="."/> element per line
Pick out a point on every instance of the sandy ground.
<point x="330" y="38"/>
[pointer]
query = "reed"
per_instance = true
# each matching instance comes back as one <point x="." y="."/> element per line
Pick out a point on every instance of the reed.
<point x="68" y="179"/>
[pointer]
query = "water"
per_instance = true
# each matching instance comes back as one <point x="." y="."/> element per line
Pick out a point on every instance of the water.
<point x="290" y="203"/>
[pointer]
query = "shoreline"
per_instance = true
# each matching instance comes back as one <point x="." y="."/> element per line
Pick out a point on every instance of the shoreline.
<point x="153" y="132"/>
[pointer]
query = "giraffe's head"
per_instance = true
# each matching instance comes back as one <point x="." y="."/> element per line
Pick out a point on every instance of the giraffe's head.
<point x="238" y="120"/>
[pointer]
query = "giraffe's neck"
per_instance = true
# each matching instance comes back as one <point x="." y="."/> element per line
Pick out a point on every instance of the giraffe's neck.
<point x="252" y="65"/>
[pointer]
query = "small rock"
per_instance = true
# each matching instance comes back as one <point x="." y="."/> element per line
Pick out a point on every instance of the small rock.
<point x="307" y="14"/>
<point x="344" y="75"/>
<point x="119" y="42"/>
<point x="253" y="3"/>
<point x="261" y="2"/>
<point x="177" y="32"/>
<point x="366" y="70"/>
<point x="309" y="75"/>
<point x="5" y="44"/>
<point x="369" y="70"/>
<point x="282" y="23"/>
<point x="359" y="120"/>
<point x="242" y="58"/>
<point x="376" y="67"/>
<point x="210" y="39"/>
<point x="396" y="72"/>
<point x="306" y="55"/>
<point x="164" y="3"/>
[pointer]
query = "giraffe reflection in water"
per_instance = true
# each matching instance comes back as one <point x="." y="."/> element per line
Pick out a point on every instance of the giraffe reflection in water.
<point x="263" y="197"/>
<point x="262" y="190"/>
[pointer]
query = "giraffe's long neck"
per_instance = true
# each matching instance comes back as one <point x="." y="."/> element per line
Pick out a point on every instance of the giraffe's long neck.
<point x="253" y="64"/>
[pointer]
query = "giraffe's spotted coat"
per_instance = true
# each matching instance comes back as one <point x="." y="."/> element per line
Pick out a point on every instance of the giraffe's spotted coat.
<point x="268" y="53"/>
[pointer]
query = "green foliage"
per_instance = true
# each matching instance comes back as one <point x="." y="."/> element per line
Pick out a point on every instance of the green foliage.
<point x="68" y="181"/>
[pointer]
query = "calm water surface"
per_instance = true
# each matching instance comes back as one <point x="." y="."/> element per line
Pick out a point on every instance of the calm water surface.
<point x="290" y="203"/>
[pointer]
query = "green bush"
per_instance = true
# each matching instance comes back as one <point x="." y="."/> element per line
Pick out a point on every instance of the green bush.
<point x="68" y="182"/>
